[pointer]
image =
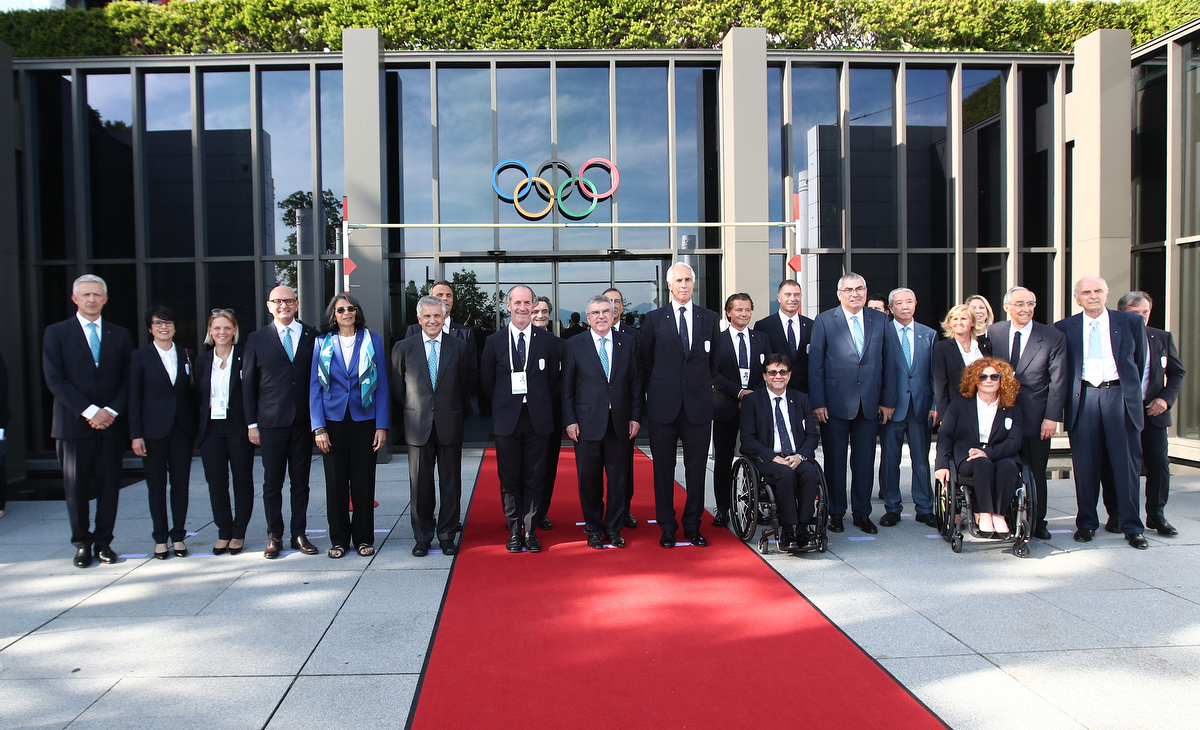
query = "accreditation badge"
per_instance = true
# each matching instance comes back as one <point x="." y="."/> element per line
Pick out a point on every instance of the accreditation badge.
<point x="520" y="385"/>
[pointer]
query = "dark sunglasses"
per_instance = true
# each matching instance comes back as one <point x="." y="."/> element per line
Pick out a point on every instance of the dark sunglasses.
<point x="777" y="373"/>
<point x="984" y="377"/>
<point x="342" y="310"/>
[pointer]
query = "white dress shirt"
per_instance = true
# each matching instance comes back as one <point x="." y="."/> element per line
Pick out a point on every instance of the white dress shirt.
<point x="688" y="317"/>
<point x="862" y="322"/>
<point x="1025" y="331"/>
<point x="92" y="409"/>
<point x="170" y="360"/>
<point x="787" y="420"/>
<point x="1103" y="368"/>
<point x="987" y="417"/>
<point x="218" y="389"/>
<point x="295" y="328"/>
<point x="971" y="355"/>
<point x="795" y="320"/>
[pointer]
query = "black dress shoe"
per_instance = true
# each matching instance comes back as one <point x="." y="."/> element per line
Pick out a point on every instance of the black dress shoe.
<point x="721" y="518"/>
<point x="544" y="523"/>
<point x="301" y="543"/>
<point x="274" y="545"/>
<point x="630" y="520"/>
<point x="180" y="552"/>
<point x="1042" y="533"/>
<point x="514" y="542"/>
<point x="106" y="555"/>
<point x="696" y="538"/>
<point x="1163" y="527"/>
<point x="236" y="550"/>
<point x="925" y="519"/>
<point x="1084" y="535"/>
<point x="667" y="540"/>
<point x="1138" y="541"/>
<point x="864" y="523"/>
<point x="596" y="542"/>
<point x="1113" y="525"/>
<point x="448" y="547"/>
<point x="890" y="519"/>
<point x="616" y="540"/>
<point x="421" y="549"/>
<point x="220" y="550"/>
<point x="835" y="523"/>
<point x="787" y="541"/>
<point x="163" y="555"/>
<point x="532" y="544"/>
<point x="83" y="557"/>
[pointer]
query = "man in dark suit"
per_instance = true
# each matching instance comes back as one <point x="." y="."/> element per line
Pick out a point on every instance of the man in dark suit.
<point x="519" y="370"/>
<point x="1162" y="381"/>
<point x="444" y="291"/>
<point x="602" y="410"/>
<point x="851" y="396"/>
<point x="85" y="361"/>
<point x="911" y="368"/>
<point x="430" y="374"/>
<point x="1106" y="351"/>
<point x="739" y="372"/>
<point x="620" y="325"/>
<point x="790" y="333"/>
<point x="780" y="434"/>
<point x="680" y="352"/>
<point x="276" y="370"/>
<point x="1037" y="353"/>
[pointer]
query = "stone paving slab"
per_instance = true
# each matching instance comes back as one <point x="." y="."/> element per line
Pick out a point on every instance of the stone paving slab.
<point x="365" y="701"/>
<point x="153" y="703"/>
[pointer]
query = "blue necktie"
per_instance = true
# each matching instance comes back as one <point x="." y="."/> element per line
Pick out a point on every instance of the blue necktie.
<point x="857" y="330"/>
<point x="287" y="344"/>
<point x="519" y="364"/>
<point x="1095" y="350"/>
<point x="905" y="347"/>
<point x="785" y="443"/>
<point x="604" y="356"/>
<point x="433" y="363"/>
<point x="743" y="356"/>
<point x="683" y="332"/>
<point x="94" y="342"/>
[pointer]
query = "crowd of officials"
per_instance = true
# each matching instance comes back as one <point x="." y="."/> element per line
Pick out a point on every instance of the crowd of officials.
<point x="857" y="375"/>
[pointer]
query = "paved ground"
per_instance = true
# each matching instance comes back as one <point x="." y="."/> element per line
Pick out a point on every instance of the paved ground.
<point x="1095" y="636"/>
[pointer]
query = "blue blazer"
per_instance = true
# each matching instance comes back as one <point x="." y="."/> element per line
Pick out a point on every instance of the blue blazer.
<point x="343" y="385"/>
<point x="1128" y="337"/>
<point x="914" y="385"/>
<point x="840" y="380"/>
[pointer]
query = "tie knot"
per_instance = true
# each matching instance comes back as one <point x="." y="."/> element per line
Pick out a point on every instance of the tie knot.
<point x="682" y="311"/>
<point x="92" y="326"/>
<point x="603" y="340"/>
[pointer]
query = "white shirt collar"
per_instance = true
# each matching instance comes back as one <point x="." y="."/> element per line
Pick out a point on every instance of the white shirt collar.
<point x="1102" y="319"/>
<point x="785" y="319"/>
<point x="84" y="323"/>
<point x="912" y="326"/>
<point x="596" y="336"/>
<point x="852" y="316"/>
<point x="512" y="329"/>
<point x="676" y="305"/>
<point x="437" y="339"/>
<point x="279" y="328"/>
<point x="1025" y="331"/>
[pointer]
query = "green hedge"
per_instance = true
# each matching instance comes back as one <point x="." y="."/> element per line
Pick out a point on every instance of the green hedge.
<point x="225" y="26"/>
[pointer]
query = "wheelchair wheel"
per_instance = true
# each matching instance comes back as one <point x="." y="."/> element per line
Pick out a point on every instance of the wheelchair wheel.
<point x="743" y="500"/>
<point x="956" y="542"/>
<point x="1021" y="548"/>
<point x="942" y="507"/>
<point x="764" y="545"/>
<point x="822" y="543"/>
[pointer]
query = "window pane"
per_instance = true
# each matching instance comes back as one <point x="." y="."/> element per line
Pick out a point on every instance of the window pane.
<point x="1036" y="272"/>
<point x="696" y="154"/>
<point x="642" y="146"/>
<point x="928" y="158"/>
<point x="523" y="133"/>
<point x="882" y="271"/>
<point x="231" y="286"/>
<point x="286" y="149"/>
<point x="872" y="159"/>
<point x="816" y="155"/>
<point x="110" y="154"/>
<point x="465" y="156"/>
<point x="1189" y="347"/>
<point x="931" y="276"/>
<point x="583" y="133"/>
<point x="1037" y="159"/>
<point x="169" y="209"/>
<point x="408" y="279"/>
<point x="413" y="176"/>
<point x="983" y="158"/>
<point x="1150" y="151"/>
<point x="639" y="282"/>
<point x="776" y="195"/>
<point x="54" y="162"/>
<point x="333" y="166"/>
<point x="1191" y="143"/>
<point x="174" y="286"/>
<point x="984" y="274"/>
<point x="228" y="183"/>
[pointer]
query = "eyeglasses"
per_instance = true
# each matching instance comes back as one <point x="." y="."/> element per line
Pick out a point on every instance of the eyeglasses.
<point x="1024" y="305"/>
<point x="161" y="323"/>
<point x="218" y="310"/>
<point x="342" y="310"/>
<point x="777" y="373"/>
<point x="597" y="314"/>
<point x="854" y="290"/>
<point x="282" y="302"/>
<point x="984" y="377"/>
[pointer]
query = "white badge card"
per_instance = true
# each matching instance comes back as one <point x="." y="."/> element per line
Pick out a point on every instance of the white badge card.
<point x="745" y="376"/>
<point x="218" y="409"/>
<point x="520" y="386"/>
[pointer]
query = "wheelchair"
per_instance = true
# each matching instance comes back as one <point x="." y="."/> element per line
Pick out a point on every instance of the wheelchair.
<point x="954" y="507"/>
<point x="752" y="502"/>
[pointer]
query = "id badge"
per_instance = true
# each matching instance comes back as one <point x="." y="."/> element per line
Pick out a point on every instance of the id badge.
<point x="520" y="385"/>
<point x="745" y="376"/>
<point x="218" y="410"/>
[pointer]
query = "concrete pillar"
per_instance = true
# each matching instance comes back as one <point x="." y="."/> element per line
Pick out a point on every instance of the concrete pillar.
<point x="10" y="272"/>
<point x="746" y="264"/>
<point x="1098" y="120"/>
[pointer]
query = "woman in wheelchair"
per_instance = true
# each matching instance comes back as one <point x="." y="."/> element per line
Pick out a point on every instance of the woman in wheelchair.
<point x="981" y="432"/>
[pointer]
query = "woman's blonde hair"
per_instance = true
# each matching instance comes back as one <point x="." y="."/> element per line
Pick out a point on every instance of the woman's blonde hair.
<point x="956" y="311"/>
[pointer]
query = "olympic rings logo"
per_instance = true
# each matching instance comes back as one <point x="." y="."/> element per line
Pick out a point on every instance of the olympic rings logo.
<point x="546" y="190"/>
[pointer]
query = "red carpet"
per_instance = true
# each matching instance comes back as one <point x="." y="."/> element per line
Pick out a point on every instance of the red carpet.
<point x="641" y="637"/>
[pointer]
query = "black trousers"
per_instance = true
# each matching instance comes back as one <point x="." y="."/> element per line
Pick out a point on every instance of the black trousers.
<point x="553" y="448"/>
<point x="1157" y="466"/>
<point x="1035" y="453"/>
<point x="663" y="440"/>
<point x="857" y="436"/>
<point x="595" y="461"/>
<point x="521" y="463"/>
<point x="168" y="458"/>
<point x="350" y="474"/>
<point x="1104" y="437"/>
<point x="793" y="486"/>
<point x="286" y="450"/>
<point x="91" y="469"/>
<point x="995" y="483"/>
<point x="448" y="500"/>
<point x="226" y="449"/>
<point x="725" y="436"/>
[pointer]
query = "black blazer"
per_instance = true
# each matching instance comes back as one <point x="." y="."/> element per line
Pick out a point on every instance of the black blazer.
<point x="728" y="383"/>
<point x="772" y="327"/>
<point x="1166" y="374"/>
<point x="423" y="407"/>
<point x="673" y="382"/>
<point x="589" y="399"/>
<point x="467" y="335"/>
<point x="947" y="371"/>
<point x="235" y="414"/>
<point x="1042" y="372"/>
<point x="275" y="391"/>
<point x="543" y="373"/>
<point x="155" y="404"/>
<point x="960" y="432"/>
<point x="77" y="382"/>
<point x="758" y="424"/>
<point x="1127" y="335"/>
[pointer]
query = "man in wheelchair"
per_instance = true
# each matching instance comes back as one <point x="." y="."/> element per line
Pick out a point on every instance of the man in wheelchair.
<point x="779" y="434"/>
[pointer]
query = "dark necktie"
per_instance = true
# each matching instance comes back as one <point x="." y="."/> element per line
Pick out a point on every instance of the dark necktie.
<point x="683" y="332"/>
<point x="791" y="335"/>
<point x="743" y="356"/>
<point x="1015" y="356"/>
<point x="785" y="442"/>
<point x="519" y="362"/>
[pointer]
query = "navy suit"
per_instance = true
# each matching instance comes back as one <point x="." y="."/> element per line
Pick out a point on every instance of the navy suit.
<point x="757" y="423"/>
<point x="679" y="405"/>
<point x="852" y="388"/>
<point x="996" y="476"/>
<point x="773" y="328"/>
<point x="275" y="397"/>
<point x="90" y="459"/>
<point x="224" y="448"/>
<point x="603" y="407"/>
<point x="914" y="401"/>
<point x="1107" y="421"/>
<point x="726" y="404"/>
<point x="467" y="335"/>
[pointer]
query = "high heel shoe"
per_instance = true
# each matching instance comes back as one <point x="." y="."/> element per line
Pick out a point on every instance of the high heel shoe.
<point x="161" y="554"/>
<point x="236" y="545"/>
<point x="219" y="549"/>
<point x="180" y="549"/>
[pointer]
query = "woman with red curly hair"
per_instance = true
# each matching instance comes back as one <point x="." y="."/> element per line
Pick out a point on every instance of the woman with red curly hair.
<point x="981" y="432"/>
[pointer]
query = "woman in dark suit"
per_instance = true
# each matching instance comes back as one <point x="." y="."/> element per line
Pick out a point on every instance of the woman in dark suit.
<point x="981" y="432"/>
<point x="224" y="445"/>
<point x="349" y="408"/>
<point x="162" y="424"/>
<point x="960" y="348"/>
<point x="542" y="311"/>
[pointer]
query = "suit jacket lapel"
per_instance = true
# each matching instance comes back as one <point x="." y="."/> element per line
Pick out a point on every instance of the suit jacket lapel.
<point x="998" y="424"/>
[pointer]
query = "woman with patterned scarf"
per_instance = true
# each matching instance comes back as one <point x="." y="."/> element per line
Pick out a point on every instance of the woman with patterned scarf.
<point x="348" y="402"/>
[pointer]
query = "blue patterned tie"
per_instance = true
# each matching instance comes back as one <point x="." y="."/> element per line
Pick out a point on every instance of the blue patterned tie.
<point x="604" y="356"/>
<point x="433" y="363"/>
<point x="683" y="332"/>
<point x="905" y="347"/>
<point x="287" y="344"/>
<point x="857" y="331"/>
<point x="94" y="342"/>
<point x="1095" y="350"/>
<point x="785" y="443"/>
